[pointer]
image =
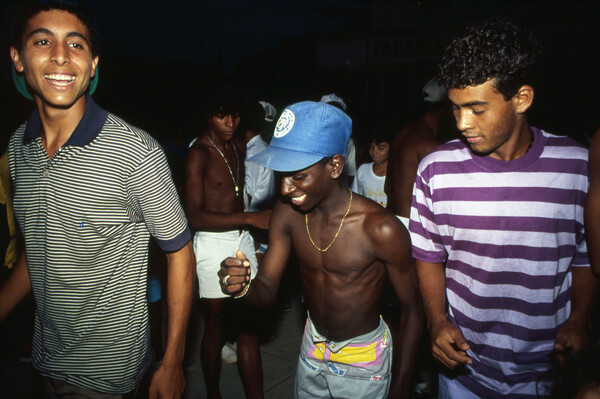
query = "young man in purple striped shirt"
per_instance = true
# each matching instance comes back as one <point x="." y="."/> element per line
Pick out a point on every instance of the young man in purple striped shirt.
<point x="497" y="227"/>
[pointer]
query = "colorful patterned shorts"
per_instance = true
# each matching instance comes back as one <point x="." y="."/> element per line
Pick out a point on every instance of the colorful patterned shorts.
<point x="356" y="368"/>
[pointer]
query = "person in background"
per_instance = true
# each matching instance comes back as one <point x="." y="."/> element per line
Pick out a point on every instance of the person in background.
<point x="592" y="205"/>
<point x="259" y="189"/>
<point x="411" y="145"/>
<point x="214" y="194"/>
<point x="350" y="154"/>
<point x="6" y="199"/>
<point x="370" y="177"/>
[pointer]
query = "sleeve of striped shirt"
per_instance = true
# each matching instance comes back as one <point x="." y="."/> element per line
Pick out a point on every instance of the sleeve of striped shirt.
<point x="424" y="233"/>
<point x="155" y="198"/>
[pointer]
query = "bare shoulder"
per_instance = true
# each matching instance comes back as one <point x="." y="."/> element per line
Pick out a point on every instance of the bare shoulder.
<point x="199" y="148"/>
<point x="283" y="217"/>
<point x="386" y="236"/>
<point x="420" y="141"/>
<point x="378" y="223"/>
<point x="196" y="159"/>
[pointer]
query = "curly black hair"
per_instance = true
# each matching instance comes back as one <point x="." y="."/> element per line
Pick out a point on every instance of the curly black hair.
<point x="221" y="97"/>
<point x="493" y="49"/>
<point x="29" y="9"/>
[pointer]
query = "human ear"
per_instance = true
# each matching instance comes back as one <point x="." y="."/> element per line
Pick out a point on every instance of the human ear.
<point x="16" y="58"/>
<point x="94" y="65"/>
<point x="523" y="99"/>
<point x="336" y="163"/>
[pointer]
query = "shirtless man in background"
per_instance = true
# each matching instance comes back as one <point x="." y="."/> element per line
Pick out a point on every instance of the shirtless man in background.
<point x="414" y="142"/>
<point x="346" y="246"/>
<point x="592" y="206"/>
<point x="214" y="181"/>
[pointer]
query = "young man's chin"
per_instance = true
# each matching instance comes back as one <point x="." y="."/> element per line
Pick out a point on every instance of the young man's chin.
<point x="477" y="150"/>
<point x="62" y="103"/>
<point x="299" y="207"/>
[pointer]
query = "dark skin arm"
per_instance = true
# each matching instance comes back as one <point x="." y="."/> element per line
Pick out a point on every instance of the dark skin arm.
<point x="401" y="272"/>
<point x="217" y="208"/>
<point x="264" y="287"/>
<point x="592" y="206"/>
<point x="574" y="335"/>
<point x="448" y="344"/>
<point x="169" y="381"/>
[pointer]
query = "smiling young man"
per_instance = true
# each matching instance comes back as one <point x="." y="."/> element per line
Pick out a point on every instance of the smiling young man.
<point x="214" y="189"/>
<point x="89" y="190"/>
<point x="346" y="246"/>
<point x="497" y="227"/>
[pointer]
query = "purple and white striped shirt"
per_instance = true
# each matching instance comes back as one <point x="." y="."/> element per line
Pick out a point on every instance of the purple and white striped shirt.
<point x="509" y="233"/>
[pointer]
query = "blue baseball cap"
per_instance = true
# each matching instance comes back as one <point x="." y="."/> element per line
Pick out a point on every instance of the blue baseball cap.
<point x="305" y="133"/>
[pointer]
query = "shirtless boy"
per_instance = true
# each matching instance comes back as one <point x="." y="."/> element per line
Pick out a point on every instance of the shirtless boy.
<point x="412" y="143"/>
<point x="346" y="245"/>
<point x="214" y="202"/>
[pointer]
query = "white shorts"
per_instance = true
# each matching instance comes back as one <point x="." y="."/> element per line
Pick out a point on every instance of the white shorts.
<point x="211" y="248"/>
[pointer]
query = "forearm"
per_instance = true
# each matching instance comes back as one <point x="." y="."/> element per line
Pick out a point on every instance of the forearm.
<point x="410" y="330"/>
<point x="432" y="282"/>
<point x="16" y="288"/>
<point x="180" y="283"/>
<point x="583" y="295"/>
<point x="260" y="293"/>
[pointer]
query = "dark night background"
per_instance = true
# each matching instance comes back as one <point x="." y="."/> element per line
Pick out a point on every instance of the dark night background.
<point x="157" y="56"/>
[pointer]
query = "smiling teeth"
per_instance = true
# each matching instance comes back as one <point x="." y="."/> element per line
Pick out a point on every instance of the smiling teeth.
<point x="298" y="199"/>
<point x="66" y="78"/>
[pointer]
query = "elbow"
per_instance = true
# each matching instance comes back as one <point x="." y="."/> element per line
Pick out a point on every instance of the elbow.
<point x="596" y="269"/>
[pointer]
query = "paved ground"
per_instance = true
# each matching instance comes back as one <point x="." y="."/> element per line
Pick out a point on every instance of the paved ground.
<point x="279" y="358"/>
<point x="279" y="355"/>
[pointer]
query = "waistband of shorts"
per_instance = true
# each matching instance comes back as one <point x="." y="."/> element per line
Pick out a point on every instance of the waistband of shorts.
<point x="225" y="234"/>
<point x="312" y="332"/>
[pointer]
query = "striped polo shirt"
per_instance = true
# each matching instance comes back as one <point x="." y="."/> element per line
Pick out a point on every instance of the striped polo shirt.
<point x="509" y="232"/>
<point x="86" y="215"/>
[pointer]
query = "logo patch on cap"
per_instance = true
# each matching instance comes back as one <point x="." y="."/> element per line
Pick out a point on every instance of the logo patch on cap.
<point x="284" y="124"/>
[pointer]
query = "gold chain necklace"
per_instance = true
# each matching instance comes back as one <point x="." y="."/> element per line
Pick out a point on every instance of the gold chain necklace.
<point x="235" y="180"/>
<point x="337" y="232"/>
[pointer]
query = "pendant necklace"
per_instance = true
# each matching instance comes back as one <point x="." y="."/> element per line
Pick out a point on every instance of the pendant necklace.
<point x="235" y="180"/>
<point x="336" y="234"/>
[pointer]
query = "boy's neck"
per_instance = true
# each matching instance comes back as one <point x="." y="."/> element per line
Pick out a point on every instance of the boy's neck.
<point x="58" y="124"/>
<point x="380" y="169"/>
